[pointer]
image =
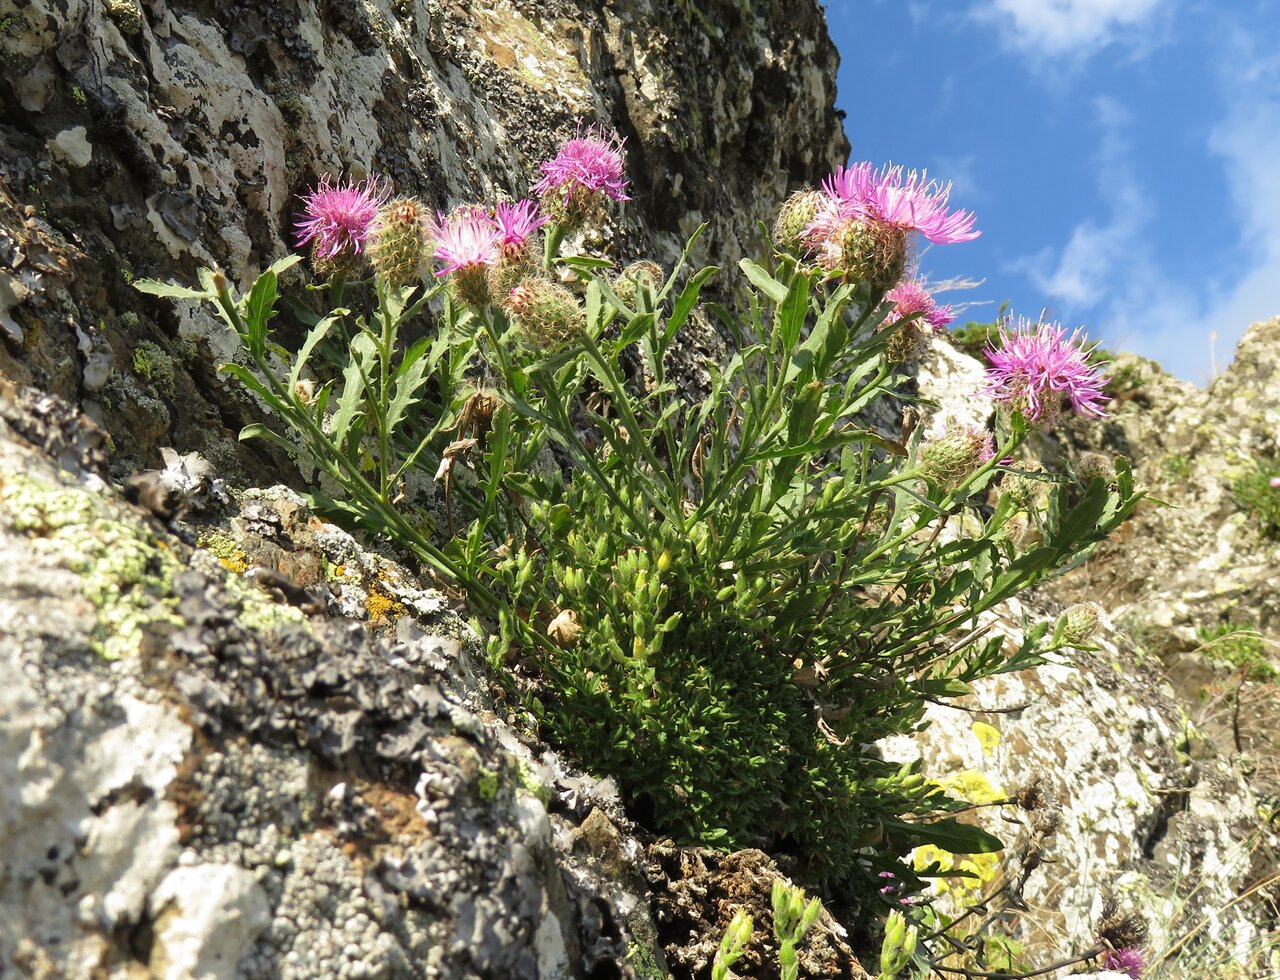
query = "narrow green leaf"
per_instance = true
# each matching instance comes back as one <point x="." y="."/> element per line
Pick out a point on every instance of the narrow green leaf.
<point x="314" y="336"/>
<point x="281" y="265"/>
<point x="154" y="287"/>
<point x="256" y="430"/>
<point x="764" y="282"/>
<point x="793" y="312"/>
<point x="259" y="308"/>
<point x="686" y="301"/>
<point x="949" y="834"/>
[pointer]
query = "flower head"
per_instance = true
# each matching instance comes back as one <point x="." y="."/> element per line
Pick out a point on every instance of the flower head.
<point x="546" y="313"/>
<point x="400" y="242"/>
<point x="338" y="219"/>
<point x="795" y="216"/>
<point x="911" y="297"/>
<point x="905" y="199"/>
<point x="1128" y="961"/>
<point x="950" y="459"/>
<point x="591" y="161"/>
<point x="1038" y="366"/>
<point x="516" y="224"/>
<point x="466" y="239"/>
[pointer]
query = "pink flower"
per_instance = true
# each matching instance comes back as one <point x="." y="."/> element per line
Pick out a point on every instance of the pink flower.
<point x="1038" y="366"/>
<point x="468" y="239"/>
<point x="1275" y="481"/>
<point x="903" y="199"/>
<point x="516" y="224"/>
<point x="1124" y="961"/>
<point x="339" y="219"/>
<point x="911" y="297"/>
<point x="590" y="161"/>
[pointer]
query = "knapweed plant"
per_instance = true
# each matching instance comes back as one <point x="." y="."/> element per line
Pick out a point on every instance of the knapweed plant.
<point x="723" y="602"/>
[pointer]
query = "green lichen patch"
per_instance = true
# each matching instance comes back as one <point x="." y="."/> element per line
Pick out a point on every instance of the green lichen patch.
<point x="153" y="365"/>
<point x="224" y="548"/>
<point x="125" y="570"/>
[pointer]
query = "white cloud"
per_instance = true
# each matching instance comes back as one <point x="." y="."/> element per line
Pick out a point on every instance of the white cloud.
<point x="1096" y="248"/>
<point x="1107" y="274"/>
<point x="1068" y="27"/>
<point x="1248" y="141"/>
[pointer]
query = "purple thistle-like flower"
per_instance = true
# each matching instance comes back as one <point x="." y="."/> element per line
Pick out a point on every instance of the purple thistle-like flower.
<point x="1128" y="961"/>
<point x="465" y="240"/>
<point x="516" y="224"/>
<point x="911" y="297"/>
<point x="907" y="199"/>
<point x="339" y="218"/>
<point x="590" y="161"/>
<point x="904" y="199"/>
<point x="1038" y="365"/>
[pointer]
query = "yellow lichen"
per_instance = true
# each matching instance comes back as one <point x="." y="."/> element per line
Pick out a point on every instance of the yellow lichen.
<point x="382" y="607"/>
<point x="224" y="548"/>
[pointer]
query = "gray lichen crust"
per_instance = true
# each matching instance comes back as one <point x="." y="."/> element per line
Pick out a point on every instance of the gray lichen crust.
<point x="210" y="780"/>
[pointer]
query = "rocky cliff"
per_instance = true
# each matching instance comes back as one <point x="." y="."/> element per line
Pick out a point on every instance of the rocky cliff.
<point x="237" y="742"/>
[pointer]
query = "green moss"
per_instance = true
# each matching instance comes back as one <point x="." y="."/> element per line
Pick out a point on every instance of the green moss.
<point x="78" y="96"/>
<point x="528" y="780"/>
<point x="152" y="364"/>
<point x="125" y="571"/>
<point x="487" y="785"/>
<point x="645" y="962"/>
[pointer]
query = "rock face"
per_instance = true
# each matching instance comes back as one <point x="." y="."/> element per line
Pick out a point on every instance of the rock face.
<point x="1193" y="582"/>
<point x="144" y="138"/>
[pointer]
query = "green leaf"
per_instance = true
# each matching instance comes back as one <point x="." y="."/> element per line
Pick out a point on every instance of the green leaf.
<point x="257" y="430"/>
<point x="949" y="834"/>
<point x="941" y="687"/>
<point x="250" y="381"/>
<point x="793" y="312"/>
<point x="314" y="336"/>
<point x="259" y="308"/>
<point x="352" y="397"/>
<point x="154" y="287"/>
<point x="764" y="282"/>
<point x="409" y="378"/>
<point x="281" y="265"/>
<point x="686" y="301"/>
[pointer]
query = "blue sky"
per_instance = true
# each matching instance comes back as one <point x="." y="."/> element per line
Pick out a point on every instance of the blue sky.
<point x="1123" y="156"/>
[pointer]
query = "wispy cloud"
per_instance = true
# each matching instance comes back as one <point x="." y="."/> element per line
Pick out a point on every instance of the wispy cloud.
<point x="1069" y="28"/>
<point x="1248" y="142"/>
<point x="1108" y="273"/>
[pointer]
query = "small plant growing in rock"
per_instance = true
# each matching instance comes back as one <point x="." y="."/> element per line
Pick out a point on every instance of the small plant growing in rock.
<point x="722" y="603"/>
<point x="1257" y="493"/>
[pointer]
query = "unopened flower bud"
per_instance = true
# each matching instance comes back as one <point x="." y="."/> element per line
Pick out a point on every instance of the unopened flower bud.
<point x="1095" y="466"/>
<point x="401" y="244"/>
<point x="949" y="460"/>
<point x="906" y="344"/>
<point x="1078" y="623"/>
<point x="872" y="252"/>
<point x="305" y="391"/>
<point x="546" y="313"/>
<point x="637" y="278"/>
<point x="565" y="630"/>
<point x="796" y="214"/>
<point x="1027" y="492"/>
